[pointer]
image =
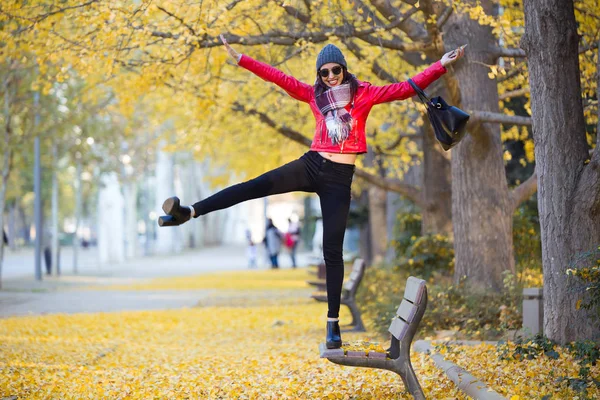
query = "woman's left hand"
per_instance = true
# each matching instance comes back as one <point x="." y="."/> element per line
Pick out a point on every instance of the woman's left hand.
<point x="451" y="56"/>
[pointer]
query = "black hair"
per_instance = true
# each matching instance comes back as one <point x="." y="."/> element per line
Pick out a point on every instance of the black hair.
<point x="321" y="87"/>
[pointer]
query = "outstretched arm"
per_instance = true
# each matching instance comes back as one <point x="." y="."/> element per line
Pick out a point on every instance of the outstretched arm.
<point x="295" y="88"/>
<point x="403" y="90"/>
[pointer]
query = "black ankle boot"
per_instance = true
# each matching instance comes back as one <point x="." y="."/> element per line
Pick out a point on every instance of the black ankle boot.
<point x="172" y="207"/>
<point x="334" y="337"/>
<point x="176" y="215"/>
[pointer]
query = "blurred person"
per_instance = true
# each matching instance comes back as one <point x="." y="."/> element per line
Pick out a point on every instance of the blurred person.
<point x="340" y="104"/>
<point x="250" y="250"/>
<point x="292" y="237"/>
<point x="273" y="241"/>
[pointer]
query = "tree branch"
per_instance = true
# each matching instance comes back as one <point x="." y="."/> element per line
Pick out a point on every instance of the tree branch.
<point x="289" y="38"/>
<point x="376" y="68"/>
<point x="395" y="44"/>
<point x="294" y="12"/>
<point x="413" y="30"/>
<point x="412" y="57"/>
<point x="265" y="119"/>
<point x="181" y="21"/>
<point x="514" y="93"/>
<point x="444" y="17"/>
<point x="41" y="17"/>
<point x="520" y="53"/>
<point x="487" y="116"/>
<point x="524" y="191"/>
<point x="498" y="52"/>
<point x="411" y="192"/>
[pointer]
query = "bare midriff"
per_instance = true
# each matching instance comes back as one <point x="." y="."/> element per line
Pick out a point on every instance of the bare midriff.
<point x="349" y="158"/>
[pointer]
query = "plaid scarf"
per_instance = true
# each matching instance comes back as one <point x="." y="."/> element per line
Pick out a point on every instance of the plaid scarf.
<point x="338" y="120"/>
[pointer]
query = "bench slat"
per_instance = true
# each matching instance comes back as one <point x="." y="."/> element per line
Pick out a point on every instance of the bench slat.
<point x="407" y="311"/>
<point x="349" y="285"/>
<point x="398" y="328"/>
<point x="414" y="290"/>
<point x="357" y="268"/>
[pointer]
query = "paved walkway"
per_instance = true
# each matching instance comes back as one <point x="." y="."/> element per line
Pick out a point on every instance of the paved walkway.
<point x="23" y="295"/>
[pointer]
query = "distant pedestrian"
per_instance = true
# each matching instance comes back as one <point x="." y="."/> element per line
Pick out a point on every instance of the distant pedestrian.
<point x="292" y="237"/>
<point x="47" y="250"/>
<point x="273" y="239"/>
<point x="251" y="250"/>
<point x="4" y="236"/>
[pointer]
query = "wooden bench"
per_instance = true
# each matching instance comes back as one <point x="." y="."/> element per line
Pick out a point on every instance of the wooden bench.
<point x="318" y="270"/>
<point x="349" y="295"/>
<point x="320" y="281"/>
<point x="403" y="329"/>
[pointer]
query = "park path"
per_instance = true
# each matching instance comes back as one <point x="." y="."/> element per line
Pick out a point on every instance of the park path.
<point x="70" y="293"/>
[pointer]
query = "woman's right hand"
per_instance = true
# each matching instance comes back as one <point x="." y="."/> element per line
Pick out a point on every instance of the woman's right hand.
<point x="230" y="49"/>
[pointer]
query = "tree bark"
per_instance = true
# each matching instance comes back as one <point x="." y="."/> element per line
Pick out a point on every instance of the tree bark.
<point x="365" y="248"/>
<point x="377" y="216"/>
<point x="6" y="164"/>
<point x="568" y="188"/>
<point x="481" y="207"/>
<point x="437" y="190"/>
<point x="76" y="240"/>
<point x="54" y="226"/>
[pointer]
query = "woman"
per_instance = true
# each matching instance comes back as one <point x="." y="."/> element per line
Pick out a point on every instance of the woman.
<point x="340" y="104"/>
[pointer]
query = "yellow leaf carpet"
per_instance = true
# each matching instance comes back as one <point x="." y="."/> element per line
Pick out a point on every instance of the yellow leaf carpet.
<point x="256" y="338"/>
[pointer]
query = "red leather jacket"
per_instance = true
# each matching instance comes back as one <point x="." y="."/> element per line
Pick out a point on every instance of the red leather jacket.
<point x="366" y="97"/>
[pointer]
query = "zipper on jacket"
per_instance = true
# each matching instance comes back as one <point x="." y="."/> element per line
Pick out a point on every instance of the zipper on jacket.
<point x="321" y="124"/>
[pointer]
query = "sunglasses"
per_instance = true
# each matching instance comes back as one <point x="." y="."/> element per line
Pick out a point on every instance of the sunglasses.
<point x="325" y="72"/>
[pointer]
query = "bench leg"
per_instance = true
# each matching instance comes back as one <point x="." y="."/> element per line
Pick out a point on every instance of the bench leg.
<point x="394" y="350"/>
<point x="405" y="370"/>
<point x="357" y="322"/>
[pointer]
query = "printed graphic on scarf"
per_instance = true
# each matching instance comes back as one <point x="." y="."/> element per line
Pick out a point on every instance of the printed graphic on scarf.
<point x="338" y="120"/>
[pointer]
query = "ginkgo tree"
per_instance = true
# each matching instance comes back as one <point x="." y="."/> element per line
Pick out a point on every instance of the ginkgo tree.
<point x="67" y="120"/>
<point x="569" y="172"/>
<point x="170" y="51"/>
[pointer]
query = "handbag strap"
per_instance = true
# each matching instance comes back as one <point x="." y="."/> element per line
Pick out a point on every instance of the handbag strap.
<point x="420" y="92"/>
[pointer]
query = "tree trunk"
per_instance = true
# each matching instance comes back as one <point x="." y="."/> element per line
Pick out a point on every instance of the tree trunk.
<point x="5" y="172"/>
<point x="437" y="189"/>
<point x="76" y="239"/>
<point x="12" y="226"/>
<point x="6" y="164"/>
<point x="377" y="216"/>
<point x="365" y="231"/>
<point x="130" y="192"/>
<point x="54" y="236"/>
<point x="378" y="223"/>
<point x="568" y="189"/>
<point x="481" y="208"/>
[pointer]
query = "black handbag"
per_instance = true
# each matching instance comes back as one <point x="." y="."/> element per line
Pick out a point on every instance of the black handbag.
<point x="449" y="122"/>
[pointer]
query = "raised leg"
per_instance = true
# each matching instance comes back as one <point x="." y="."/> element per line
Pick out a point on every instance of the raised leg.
<point x="290" y="177"/>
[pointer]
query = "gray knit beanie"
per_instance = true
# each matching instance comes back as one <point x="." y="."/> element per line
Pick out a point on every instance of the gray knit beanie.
<point x="330" y="54"/>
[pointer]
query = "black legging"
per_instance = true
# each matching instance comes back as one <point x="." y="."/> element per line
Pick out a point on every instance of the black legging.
<point x="310" y="173"/>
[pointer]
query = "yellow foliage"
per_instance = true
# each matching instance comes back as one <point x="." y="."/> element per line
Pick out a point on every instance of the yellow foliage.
<point x="238" y="280"/>
<point x="240" y="352"/>
<point x="523" y="379"/>
<point x="167" y="54"/>
<point x="245" y="350"/>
